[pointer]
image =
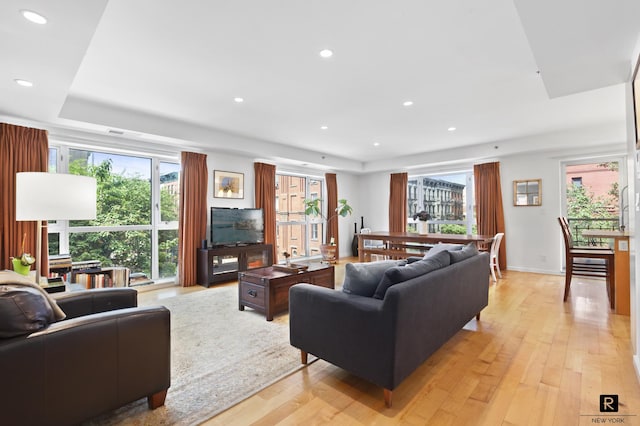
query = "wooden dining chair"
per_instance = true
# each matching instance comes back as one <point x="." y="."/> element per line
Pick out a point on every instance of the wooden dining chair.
<point x="587" y="262"/>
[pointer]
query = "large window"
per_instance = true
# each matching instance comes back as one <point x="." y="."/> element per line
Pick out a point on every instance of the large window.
<point x="137" y="212"/>
<point x="447" y="198"/>
<point x="295" y="233"/>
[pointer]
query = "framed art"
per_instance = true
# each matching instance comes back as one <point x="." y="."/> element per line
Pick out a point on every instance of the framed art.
<point x="635" y="88"/>
<point x="228" y="184"/>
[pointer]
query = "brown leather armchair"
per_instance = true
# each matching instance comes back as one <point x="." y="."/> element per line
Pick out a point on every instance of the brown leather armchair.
<point x="106" y="353"/>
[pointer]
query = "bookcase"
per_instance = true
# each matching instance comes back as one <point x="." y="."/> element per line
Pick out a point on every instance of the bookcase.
<point x="223" y="263"/>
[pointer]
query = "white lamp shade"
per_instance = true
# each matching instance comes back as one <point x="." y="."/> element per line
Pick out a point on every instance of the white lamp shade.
<point x="55" y="196"/>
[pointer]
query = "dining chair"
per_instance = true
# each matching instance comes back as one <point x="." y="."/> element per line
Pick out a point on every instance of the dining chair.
<point x="373" y="244"/>
<point x="587" y="262"/>
<point x="494" y="262"/>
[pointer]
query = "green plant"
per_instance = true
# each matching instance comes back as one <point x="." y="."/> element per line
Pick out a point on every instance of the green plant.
<point x="312" y="207"/>
<point x="25" y="258"/>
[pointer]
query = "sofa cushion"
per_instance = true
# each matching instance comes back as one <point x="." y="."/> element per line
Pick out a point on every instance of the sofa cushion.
<point x="467" y="251"/>
<point x="363" y="278"/>
<point x="400" y="274"/>
<point x="442" y="247"/>
<point x="23" y="310"/>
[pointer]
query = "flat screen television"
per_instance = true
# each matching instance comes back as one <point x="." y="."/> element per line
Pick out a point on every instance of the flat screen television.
<point x="236" y="226"/>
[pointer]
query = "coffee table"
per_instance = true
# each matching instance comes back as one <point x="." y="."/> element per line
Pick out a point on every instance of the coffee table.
<point x="267" y="289"/>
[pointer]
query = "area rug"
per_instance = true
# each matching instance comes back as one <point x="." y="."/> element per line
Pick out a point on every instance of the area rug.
<point x="219" y="356"/>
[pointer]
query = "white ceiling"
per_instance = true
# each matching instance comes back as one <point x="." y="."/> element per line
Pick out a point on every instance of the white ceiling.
<point x="168" y="71"/>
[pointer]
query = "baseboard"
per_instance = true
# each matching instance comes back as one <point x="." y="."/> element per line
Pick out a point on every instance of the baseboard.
<point x="535" y="270"/>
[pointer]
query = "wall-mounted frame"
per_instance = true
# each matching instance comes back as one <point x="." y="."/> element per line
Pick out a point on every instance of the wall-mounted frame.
<point x="527" y="192"/>
<point x="635" y="88"/>
<point x="228" y="184"/>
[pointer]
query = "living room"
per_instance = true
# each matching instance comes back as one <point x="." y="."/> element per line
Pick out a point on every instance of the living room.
<point x="600" y="126"/>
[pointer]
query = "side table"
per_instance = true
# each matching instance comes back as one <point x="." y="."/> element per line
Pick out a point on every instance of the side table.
<point x="267" y="290"/>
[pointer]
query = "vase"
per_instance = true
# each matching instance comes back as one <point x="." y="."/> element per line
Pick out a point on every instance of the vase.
<point x="423" y="227"/>
<point x="19" y="267"/>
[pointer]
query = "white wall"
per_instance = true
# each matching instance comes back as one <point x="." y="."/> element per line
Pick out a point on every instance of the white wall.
<point x="532" y="234"/>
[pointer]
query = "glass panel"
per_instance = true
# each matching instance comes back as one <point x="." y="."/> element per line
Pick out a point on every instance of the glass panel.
<point x="169" y="191"/>
<point x="224" y="264"/>
<point x="294" y="233"/>
<point x="168" y="253"/>
<point x="444" y="197"/>
<point x="257" y="259"/>
<point x="53" y="160"/>
<point x="54" y="243"/>
<point x="124" y="187"/>
<point x="116" y="248"/>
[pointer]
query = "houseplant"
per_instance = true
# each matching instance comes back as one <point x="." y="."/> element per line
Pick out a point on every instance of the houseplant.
<point x="422" y="225"/>
<point x="312" y="207"/>
<point x="22" y="264"/>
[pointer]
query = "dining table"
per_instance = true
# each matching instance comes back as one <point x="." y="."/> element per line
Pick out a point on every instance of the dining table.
<point x="401" y="245"/>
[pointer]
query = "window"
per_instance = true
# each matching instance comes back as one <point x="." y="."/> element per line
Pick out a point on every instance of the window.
<point x="576" y="181"/>
<point x="293" y="228"/>
<point x="445" y="198"/>
<point x="137" y="212"/>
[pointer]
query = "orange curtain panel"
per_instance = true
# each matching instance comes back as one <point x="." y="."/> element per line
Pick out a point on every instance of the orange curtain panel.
<point x="489" y="210"/>
<point x="22" y="149"/>
<point x="192" y="225"/>
<point x="332" y="204"/>
<point x="398" y="202"/>
<point x="265" y="199"/>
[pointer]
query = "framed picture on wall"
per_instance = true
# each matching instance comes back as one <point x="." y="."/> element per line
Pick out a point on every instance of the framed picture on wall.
<point x="228" y="184"/>
<point x="635" y="86"/>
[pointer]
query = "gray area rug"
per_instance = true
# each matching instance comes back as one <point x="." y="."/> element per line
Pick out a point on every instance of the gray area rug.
<point x="219" y="356"/>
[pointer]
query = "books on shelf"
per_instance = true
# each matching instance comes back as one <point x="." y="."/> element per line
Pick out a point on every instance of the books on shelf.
<point x="92" y="275"/>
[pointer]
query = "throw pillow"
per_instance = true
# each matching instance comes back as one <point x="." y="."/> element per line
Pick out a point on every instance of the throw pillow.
<point x="442" y="247"/>
<point x="400" y="274"/>
<point x="467" y="251"/>
<point x="23" y="310"/>
<point x="363" y="278"/>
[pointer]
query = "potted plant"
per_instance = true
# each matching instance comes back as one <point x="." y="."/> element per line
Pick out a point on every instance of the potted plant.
<point x="312" y="207"/>
<point x="422" y="225"/>
<point x="22" y="264"/>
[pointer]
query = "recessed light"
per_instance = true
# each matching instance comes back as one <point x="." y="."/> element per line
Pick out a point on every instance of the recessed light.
<point x="326" y="53"/>
<point x="34" y="17"/>
<point x="324" y="127"/>
<point x="451" y="129"/>
<point x="238" y="100"/>
<point x="24" y="83"/>
<point x="376" y="144"/>
<point x="407" y="103"/>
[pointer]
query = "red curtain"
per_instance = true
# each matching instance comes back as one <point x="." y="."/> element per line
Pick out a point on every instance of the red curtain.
<point x="22" y="149"/>
<point x="265" y="199"/>
<point x="398" y="202"/>
<point x="192" y="225"/>
<point x="489" y="210"/>
<point x="332" y="204"/>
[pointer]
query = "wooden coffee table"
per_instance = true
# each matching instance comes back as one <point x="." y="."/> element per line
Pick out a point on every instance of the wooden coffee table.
<point x="267" y="289"/>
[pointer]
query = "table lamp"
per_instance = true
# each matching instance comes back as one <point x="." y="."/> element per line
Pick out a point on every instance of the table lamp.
<point x="53" y="196"/>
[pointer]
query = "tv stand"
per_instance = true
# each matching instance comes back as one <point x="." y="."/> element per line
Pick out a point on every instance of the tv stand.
<point x="220" y="264"/>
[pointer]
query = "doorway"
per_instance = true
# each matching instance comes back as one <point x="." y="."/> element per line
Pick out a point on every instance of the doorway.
<point x="595" y="197"/>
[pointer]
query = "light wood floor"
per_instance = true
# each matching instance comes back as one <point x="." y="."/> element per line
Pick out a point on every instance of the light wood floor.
<point x="530" y="360"/>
